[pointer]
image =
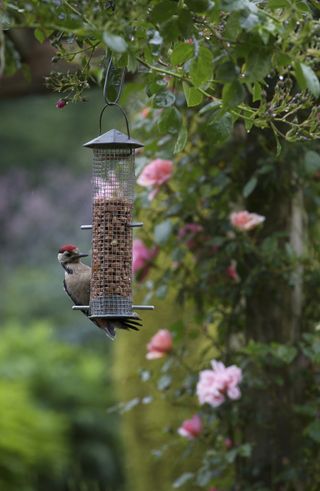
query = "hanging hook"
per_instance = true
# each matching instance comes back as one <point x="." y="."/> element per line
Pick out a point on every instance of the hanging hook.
<point x="123" y="112"/>
<point x="108" y="82"/>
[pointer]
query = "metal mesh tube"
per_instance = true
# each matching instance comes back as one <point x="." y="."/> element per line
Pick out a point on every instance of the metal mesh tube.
<point x="113" y="195"/>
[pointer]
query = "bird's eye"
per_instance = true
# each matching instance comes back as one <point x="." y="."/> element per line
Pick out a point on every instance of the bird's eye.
<point x="67" y="253"/>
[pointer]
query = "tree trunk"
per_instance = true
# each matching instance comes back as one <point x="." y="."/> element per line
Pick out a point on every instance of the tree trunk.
<point x="274" y="311"/>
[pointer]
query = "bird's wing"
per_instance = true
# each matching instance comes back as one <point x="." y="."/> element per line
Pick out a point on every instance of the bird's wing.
<point x="72" y="298"/>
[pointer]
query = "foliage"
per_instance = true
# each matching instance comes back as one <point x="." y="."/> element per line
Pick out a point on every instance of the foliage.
<point x="255" y="61"/>
<point x="233" y="91"/>
<point x="53" y="427"/>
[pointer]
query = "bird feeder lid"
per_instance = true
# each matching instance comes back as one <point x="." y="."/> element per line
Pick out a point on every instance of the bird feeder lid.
<point x="113" y="139"/>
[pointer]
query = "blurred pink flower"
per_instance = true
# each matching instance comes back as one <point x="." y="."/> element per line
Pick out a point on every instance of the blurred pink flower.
<point x="191" y="428"/>
<point x="61" y="103"/>
<point x="232" y="272"/>
<point x="142" y="257"/>
<point x="155" y="174"/>
<point x="159" y="345"/>
<point x="145" y="112"/>
<point x="228" y="443"/>
<point x="214" y="385"/>
<point x="244" y="221"/>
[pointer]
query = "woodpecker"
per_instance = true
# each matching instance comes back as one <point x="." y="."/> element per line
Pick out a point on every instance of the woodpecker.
<point x="76" y="284"/>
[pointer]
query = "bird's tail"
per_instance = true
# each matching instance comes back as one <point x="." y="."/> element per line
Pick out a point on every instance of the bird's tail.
<point x="107" y="326"/>
<point x="110" y="325"/>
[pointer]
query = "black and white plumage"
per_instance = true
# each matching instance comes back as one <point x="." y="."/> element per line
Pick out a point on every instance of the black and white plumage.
<point x="76" y="283"/>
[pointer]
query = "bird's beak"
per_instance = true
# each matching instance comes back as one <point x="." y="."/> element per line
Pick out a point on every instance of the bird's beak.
<point x="82" y="255"/>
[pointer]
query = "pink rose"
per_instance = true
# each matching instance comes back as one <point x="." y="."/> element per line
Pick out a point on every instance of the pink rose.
<point x="160" y="344"/>
<point x="232" y="272"/>
<point x="214" y="385"/>
<point x="244" y="221"/>
<point x="155" y="174"/>
<point x="191" y="428"/>
<point x="142" y="257"/>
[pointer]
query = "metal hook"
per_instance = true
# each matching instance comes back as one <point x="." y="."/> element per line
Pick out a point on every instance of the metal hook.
<point x="124" y="114"/>
<point x="110" y="71"/>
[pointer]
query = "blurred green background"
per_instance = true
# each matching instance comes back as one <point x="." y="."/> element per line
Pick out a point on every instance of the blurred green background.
<point x="65" y="389"/>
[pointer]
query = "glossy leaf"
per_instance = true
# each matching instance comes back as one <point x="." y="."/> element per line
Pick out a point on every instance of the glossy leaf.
<point x="307" y="79"/>
<point x="181" y="53"/>
<point x="233" y="94"/>
<point x="114" y="42"/>
<point x="193" y="96"/>
<point x="250" y="186"/>
<point x="164" y="99"/>
<point x="201" y="67"/>
<point x="162" y="232"/>
<point x="220" y="127"/>
<point x="181" y="140"/>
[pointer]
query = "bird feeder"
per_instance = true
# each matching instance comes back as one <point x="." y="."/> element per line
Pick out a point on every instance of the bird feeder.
<point x="113" y="181"/>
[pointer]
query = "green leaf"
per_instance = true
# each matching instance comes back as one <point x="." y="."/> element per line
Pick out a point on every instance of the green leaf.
<point x="171" y="30"/>
<point x="278" y="4"/>
<point x="170" y="120"/>
<point x="201" y="67"/>
<point x="182" y="479"/>
<point x="181" y="53"/>
<point x="114" y="42"/>
<point x="227" y="72"/>
<point x="245" y="450"/>
<point x="313" y="431"/>
<point x="163" y="11"/>
<point x="256" y="92"/>
<point x="220" y="127"/>
<point x="162" y="232"/>
<point x="312" y="162"/>
<point x="248" y="22"/>
<point x="284" y="353"/>
<point x="250" y="186"/>
<point x="211" y="106"/>
<point x="237" y="5"/>
<point x="162" y="291"/>
<point x="307" y="79"/>
<point x="181" y="140"/>
<point x="39" y="35"/>
<point x="204" y="476"/>
<point x="193" y="96"/>
<point x="155" y="86"/>
<point x="185" y="23"/>
<point x="232" y="28"/>
<point x="198" y="5"/>
<point x="164" y="99"/>
<point x="132" y="63"/>
<point x="164" y="382"/>
<point x="233" y="94"/>
<point x="258" y="65"/>
<point x="282" y="59"/>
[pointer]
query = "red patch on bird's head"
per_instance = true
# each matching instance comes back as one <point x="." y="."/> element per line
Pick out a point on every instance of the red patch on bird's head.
<point x="67" y="247"/>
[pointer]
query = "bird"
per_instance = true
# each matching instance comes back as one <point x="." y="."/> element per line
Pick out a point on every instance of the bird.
<point x="77" y="276"/>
